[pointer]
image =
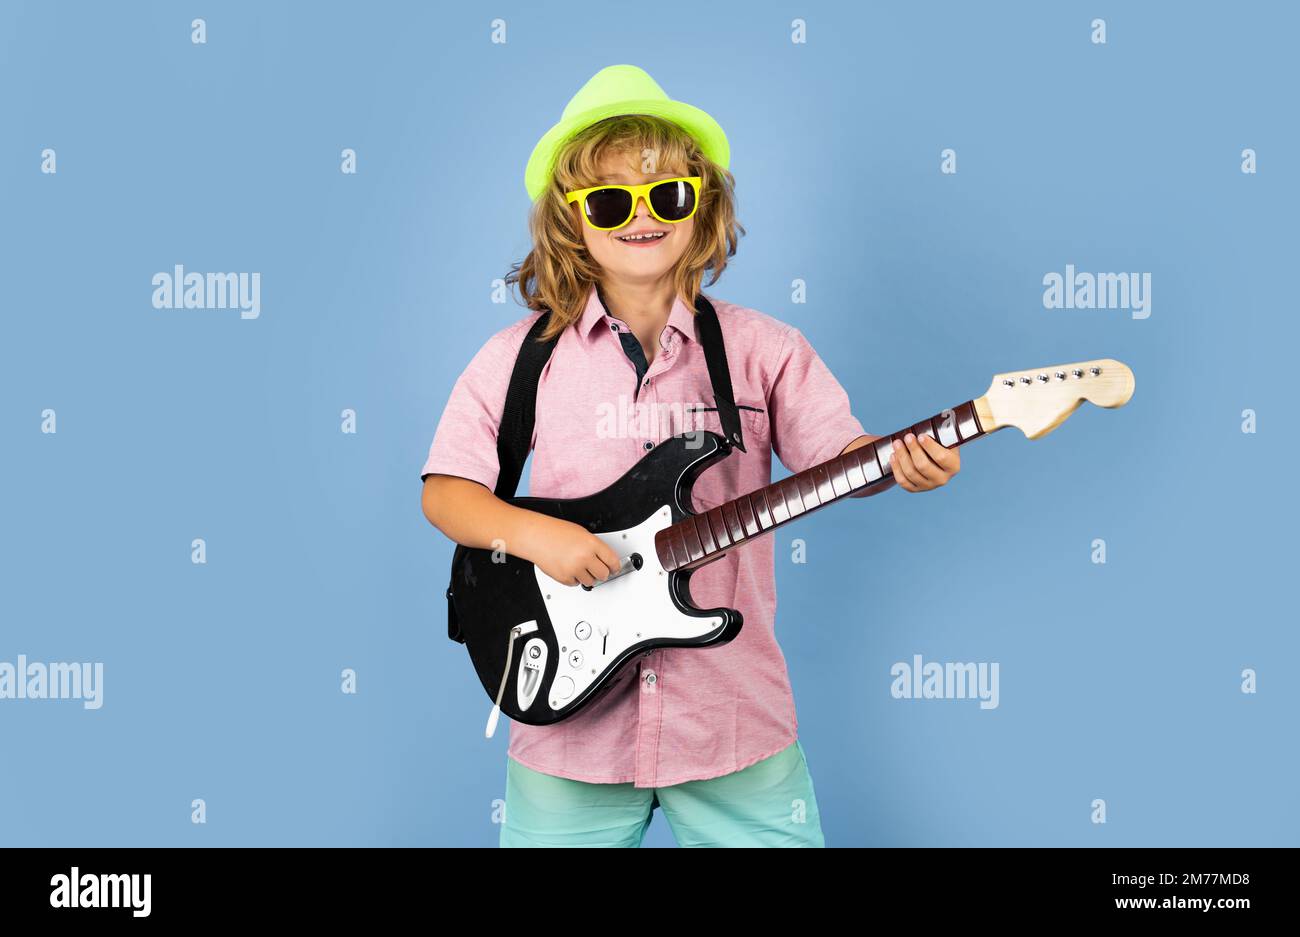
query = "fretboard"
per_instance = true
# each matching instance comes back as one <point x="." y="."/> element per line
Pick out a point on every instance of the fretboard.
<point x="700" y="538"/>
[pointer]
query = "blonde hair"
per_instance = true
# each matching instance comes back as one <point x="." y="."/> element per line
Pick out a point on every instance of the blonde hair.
<point x="558" y="272"/>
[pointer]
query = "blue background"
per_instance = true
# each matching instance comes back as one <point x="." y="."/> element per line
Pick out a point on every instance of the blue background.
<point x="222" y="681"/>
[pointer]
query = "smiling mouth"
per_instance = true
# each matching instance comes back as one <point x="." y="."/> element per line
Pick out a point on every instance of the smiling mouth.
<point x="647" y="237"/>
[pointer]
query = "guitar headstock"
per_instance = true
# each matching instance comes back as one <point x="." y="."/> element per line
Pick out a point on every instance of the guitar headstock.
<point x="1039" y="400"/>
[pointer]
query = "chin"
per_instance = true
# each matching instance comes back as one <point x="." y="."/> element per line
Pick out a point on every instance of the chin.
<point x="640" y="271"/>
<point x="636" y="268"/>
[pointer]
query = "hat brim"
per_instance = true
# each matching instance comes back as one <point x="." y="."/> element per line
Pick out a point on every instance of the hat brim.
<point x="703" y="128"/>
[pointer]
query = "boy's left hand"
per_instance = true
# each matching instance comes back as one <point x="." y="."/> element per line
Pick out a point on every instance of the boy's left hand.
<point x="922" y="464"/>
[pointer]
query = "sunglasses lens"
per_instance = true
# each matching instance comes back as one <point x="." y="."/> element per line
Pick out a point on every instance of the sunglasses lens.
<point x="608" y="208"/>
<point x="673" y="201"/>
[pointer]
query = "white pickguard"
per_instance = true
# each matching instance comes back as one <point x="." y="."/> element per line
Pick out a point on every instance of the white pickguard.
<point x="595" y="627"/>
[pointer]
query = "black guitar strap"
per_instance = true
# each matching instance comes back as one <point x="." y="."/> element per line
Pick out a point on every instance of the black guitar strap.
<point x="715" y="356"/>
<point x="515" y="434"/>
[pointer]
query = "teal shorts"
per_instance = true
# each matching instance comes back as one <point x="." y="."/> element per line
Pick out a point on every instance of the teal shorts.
<point x="770" y="803"/>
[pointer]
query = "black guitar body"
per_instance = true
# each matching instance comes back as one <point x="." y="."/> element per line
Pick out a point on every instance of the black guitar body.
<point x="569" y="642"/>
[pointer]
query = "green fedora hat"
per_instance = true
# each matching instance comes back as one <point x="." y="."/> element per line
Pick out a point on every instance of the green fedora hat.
<point x="613" y="92"/>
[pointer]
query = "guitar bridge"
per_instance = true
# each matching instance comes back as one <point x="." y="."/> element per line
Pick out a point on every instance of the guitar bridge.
<point x="531" y="667"/>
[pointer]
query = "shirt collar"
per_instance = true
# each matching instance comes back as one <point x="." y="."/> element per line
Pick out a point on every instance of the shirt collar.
<point x="681" y="317"/>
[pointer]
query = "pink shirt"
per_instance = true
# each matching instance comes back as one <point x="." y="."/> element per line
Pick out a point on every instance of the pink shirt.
<point x="676" y="714"/>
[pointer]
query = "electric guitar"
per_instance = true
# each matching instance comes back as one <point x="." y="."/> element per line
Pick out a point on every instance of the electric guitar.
<point x="543" y="650"/>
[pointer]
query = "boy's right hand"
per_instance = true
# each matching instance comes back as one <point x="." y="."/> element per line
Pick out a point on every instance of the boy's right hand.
<point x="469" y="513"/>
<point x="570" y="554"/>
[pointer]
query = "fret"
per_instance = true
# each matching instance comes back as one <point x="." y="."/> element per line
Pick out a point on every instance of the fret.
<point x="856" y="476"/>
<point x="839" y="480"/>
<point x="759" y="500"/>
<point x="672" y="548"/>
<point x="776" y="501"/>
<point x="732" y="520"/>
<point x="700" y="538"/>
<point x="690" y="534"/>
<point x="745" y="509"/>
<point x="884" y="449"/>
<point x="821" y="477"/>
<point x="718" y="527"/>
<point x="701" y="525"/>
<point x="789" y="489"/>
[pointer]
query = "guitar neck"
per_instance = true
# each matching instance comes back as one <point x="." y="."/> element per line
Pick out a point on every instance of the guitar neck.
<point x="701" y="538"/>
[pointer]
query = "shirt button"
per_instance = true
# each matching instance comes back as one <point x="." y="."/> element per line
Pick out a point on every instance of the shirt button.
<point x="613" y="327"/>
<point x="651" y="679"/>
<point x="649" y="445"/>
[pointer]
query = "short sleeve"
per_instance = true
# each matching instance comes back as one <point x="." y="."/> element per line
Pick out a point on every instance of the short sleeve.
<point x="807" y="408"/>
<point x="465" y="442"/>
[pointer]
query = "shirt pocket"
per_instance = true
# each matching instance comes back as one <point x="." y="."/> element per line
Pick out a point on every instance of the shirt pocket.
<point x="753" y="420"/>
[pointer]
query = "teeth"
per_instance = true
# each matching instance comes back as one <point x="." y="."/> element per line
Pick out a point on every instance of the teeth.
<point x="652" y="236"/>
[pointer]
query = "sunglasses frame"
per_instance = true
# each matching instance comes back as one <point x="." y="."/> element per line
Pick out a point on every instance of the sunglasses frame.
<point x="639" y="193"/>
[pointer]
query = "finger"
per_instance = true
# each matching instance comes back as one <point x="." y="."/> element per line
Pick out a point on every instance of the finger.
<point x="947" y="459"/>
<point x="605" y="553"/>
<point x="598" y="570"/>
<point x="901" y="464"/>
<point x="586" y="579"/>
<point x="926" y="469"/>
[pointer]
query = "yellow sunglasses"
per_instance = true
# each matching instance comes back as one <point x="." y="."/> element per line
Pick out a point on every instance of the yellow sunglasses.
<point x="606" y="207"/>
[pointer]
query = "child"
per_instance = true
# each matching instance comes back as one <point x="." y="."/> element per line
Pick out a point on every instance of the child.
<point x="709" y="735"/>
